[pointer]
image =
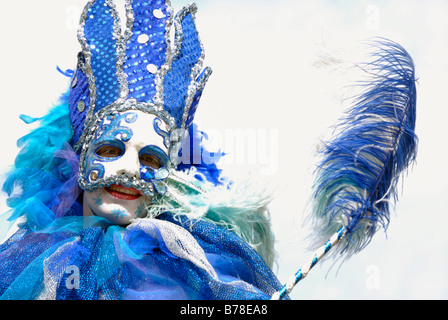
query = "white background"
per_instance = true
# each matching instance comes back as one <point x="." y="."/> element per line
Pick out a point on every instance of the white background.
<point x="279" y="72"/>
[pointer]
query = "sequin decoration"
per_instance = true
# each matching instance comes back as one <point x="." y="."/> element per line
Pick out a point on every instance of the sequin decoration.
<point x="202" y="80"/>
<point x="138" y="69"/>
<point x="179" y="77"/>
<point x="77" y="94"/>
<point x="156" y="177"/>
<point x="170" y="258"/>
<point x="152" y="68"/>
<point x="143" y="38"/>
<point x="146" y="52"/>
<point x="81" y="106"/>
<point x="99" y="35"/>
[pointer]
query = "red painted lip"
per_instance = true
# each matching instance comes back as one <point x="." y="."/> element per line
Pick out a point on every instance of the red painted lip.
<point x="123" y="193"/>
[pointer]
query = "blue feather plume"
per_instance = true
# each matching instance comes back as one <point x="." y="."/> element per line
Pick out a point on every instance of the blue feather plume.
<point x="374" y="143"/>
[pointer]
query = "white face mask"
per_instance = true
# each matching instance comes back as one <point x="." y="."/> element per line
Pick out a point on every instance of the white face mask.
<point x="128" y="145"/>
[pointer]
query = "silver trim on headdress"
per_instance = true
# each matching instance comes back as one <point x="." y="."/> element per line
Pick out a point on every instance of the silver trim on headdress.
<point x="123" y="103"/>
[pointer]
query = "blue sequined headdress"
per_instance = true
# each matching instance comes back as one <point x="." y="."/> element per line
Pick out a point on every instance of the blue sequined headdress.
<point x="138" y="69"/>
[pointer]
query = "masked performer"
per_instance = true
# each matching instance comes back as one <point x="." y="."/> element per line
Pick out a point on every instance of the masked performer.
<point x="111" y="201"/>
<point x="106" y="197"/>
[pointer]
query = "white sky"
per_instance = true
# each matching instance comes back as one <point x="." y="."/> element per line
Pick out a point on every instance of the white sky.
<point x="265" y="81"/>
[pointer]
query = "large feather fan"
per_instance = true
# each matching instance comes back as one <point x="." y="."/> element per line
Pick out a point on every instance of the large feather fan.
<point x="374" y="143"/>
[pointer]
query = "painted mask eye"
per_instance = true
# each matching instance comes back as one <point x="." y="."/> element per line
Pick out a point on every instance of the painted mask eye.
<point x="150" y="160"/>
<point x="109" y="151"/>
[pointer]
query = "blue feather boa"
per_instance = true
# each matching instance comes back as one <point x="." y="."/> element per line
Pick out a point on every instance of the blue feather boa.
<point x="42" y="183"/>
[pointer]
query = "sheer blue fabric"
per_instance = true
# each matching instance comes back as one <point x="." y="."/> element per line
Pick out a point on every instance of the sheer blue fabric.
<point x="87" y="258"/>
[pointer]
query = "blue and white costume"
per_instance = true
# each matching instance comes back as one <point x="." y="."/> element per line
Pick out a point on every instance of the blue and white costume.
<point x="110" y="200"/>
<point x="182" y="244"/>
